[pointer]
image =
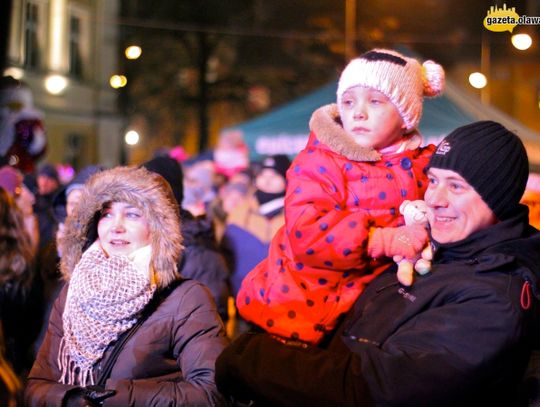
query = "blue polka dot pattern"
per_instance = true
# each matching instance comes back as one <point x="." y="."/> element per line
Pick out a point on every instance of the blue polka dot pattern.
<point x="353" y="224"/>
<point x="298" y="234"/>
<point x="310" y="251"/>
<point x="279" y="262"/>
<point x="403" y="192"/>
<point x="323" y="226"/>
<point x="364" y="179"/>
<point x="389" y="177"/>
<point x="348" y="166"/>
<point x="328" y="263"/>
<point x="382" y="195"/>
<point x="285" y="289"/>
<point x="346" y="252"/>
<point x="392" y="211"/>
<point x="298" y="190"/>
<point x="388" y="164"/>
<point x="349" y="284"/>
<point x="310" y="303"/>
<point x="291" y="314"/>
<point x="297" y="168"/>
<point x="248" y="300"/>
<point x="316" y="142"/>
<point x="405" y="163"/>
<point x="322" y="169"/>
<point x="323" y="281"/>
<point x="270" y="323"/>
<point x="261" y="292"/>
<point x="329" y="238"/>
<point x="337" y="207"/>
<point x="299" y="266"/>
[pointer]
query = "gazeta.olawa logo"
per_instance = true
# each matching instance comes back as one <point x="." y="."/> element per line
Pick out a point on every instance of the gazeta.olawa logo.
<point x="506" y="19"/>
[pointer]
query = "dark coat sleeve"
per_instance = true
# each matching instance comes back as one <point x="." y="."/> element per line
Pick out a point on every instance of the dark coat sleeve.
<point x="445" y="356"/>
<point x="43" y="388"/>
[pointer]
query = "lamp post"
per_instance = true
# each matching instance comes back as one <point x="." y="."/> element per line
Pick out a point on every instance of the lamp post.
<point x="350" y="29"/>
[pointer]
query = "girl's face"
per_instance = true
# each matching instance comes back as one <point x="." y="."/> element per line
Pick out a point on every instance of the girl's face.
<point x="122" y="229"/>
<point x="370" y="118"/>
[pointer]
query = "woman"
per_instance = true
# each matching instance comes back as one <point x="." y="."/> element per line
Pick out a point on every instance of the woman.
<point x="19" y="290"/>
<point x="121" y="247"/>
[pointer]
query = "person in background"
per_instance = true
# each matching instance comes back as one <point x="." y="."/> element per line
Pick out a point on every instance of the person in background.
<point x="459" y="336"/>
<point x="126" y="328"/>
<point x="20" y="289"/>
<point x="202" y="259"/>
<point x="10" y="385"/>
<point x="48" y="185"/>
<point x="254" y="221"/>
<point x="198" y="187"/>
<point x="12" y="181"/>
<point x="531" y="198"/>
<point x="344" y="190"/>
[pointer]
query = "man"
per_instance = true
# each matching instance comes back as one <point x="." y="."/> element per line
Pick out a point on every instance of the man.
<point x="459" y="336"/>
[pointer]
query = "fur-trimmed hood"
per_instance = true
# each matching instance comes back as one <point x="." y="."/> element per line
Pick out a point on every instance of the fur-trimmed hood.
<point x="139" y="187"/>
<point x="326" y="124"/>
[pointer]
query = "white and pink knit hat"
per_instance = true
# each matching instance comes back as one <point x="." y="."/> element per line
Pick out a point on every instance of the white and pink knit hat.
<point x="403" y="80"/>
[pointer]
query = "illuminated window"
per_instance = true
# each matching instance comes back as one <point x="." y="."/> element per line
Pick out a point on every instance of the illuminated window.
<point x="78" y="41"/>
<point x="32" y="52"/>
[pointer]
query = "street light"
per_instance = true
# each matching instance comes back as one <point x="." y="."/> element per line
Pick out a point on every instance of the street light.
<point x="133" y="52"/>
<point x="478" y="80"/>
<point x="55" y="84"/>
<point x="521" y="41"/>
<point x="131" y="138"/>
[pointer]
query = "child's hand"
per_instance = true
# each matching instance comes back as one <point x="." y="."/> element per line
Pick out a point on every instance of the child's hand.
<point x="404" y="241"/>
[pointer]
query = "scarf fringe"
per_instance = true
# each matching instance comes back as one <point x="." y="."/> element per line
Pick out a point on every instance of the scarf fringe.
<point x="70" y="373"/>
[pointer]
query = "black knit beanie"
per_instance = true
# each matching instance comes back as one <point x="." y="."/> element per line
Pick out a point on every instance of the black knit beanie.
<point x="491" y="159"/>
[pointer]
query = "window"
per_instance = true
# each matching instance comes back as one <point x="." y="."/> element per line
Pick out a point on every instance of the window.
<point x="79" y="41"/>
<point x="32" y="52"/>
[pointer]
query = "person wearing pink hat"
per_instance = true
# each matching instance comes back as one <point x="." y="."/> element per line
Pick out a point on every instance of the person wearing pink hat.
<point x="344" y="190"/>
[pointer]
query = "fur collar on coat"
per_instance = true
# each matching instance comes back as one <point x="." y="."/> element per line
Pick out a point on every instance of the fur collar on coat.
<point x="326" y="124"/>
<point x="141" y="188"/>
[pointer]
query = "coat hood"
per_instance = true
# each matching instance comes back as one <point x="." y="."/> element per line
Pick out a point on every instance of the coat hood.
<point x="326" y="124"/>
<point x="139" y="187"/>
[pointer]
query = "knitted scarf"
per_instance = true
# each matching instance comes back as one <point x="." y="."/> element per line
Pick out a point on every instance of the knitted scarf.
<point x="105" y="297"/>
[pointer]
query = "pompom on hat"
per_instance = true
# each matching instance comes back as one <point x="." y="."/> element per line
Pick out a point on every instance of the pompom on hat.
<point x="403" y="80"/>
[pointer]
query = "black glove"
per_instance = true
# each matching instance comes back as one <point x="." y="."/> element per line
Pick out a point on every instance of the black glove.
<point x="98" y="393"/>
<point x="90" y="396"/>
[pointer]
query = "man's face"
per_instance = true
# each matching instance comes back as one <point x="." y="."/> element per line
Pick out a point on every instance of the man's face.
<point x="270" y="181"/>
<point x="46" y="185"/>
<point x="456" y="210"/>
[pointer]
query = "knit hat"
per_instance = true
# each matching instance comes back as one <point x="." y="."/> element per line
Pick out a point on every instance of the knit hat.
<point x="280" y="163"/>
<point x="10" y="179"/>
<point x="403" y="80"/>
<point x="50" y="171"/>
<point x="170" y="169"/>
<point x="491" y="159"/>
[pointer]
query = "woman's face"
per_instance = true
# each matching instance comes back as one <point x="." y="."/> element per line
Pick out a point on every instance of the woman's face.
<point x="122" y="229"/>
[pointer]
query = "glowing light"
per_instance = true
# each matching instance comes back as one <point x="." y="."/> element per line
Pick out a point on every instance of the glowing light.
<point x="131" y="138"/>
<point x="521" y="41"/>
<point x="16" y="73"/>
<point x="478" y="80"/>
<point x="57" y="35"/>
<point x="55" y="84"/>
<point x="118" y="81"/>
<point x="133" y="52"/>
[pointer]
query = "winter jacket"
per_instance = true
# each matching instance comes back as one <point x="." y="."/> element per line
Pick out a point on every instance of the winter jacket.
<point x="247" y="238"/>
<point x="170" y="359"/>
<point x="460" y="336"/>
<point x="317" y="263"/>
<point x="202" y="260"/>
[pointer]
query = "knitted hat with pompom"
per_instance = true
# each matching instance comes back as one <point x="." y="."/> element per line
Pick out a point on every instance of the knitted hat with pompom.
<point x="403" y="80"/>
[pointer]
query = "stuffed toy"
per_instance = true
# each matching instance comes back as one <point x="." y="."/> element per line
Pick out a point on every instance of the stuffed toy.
<point x="415" y="213"/>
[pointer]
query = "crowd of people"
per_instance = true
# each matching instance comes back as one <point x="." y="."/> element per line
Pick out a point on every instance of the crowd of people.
<point x="214" y="280"/>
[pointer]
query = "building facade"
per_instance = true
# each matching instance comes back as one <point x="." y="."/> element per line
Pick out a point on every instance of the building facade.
<point x="66" y="51"/>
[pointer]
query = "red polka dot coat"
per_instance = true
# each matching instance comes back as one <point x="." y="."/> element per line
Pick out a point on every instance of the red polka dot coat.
<point x="317" y="263"/>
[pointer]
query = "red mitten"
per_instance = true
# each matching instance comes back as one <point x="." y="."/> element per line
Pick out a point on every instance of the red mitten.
<point x="405" y="241"/>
